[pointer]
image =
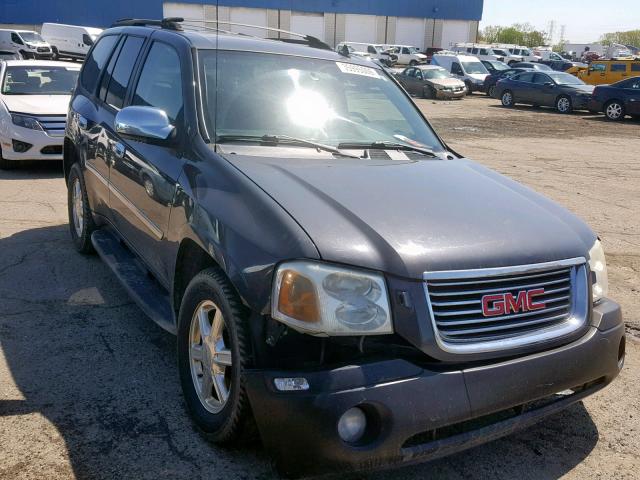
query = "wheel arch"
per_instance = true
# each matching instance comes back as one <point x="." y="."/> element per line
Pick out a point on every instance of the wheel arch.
<point x="69" y="157"/>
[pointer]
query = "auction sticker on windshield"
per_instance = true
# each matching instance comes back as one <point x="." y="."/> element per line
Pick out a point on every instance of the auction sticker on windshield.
<point x="357" y="70"/>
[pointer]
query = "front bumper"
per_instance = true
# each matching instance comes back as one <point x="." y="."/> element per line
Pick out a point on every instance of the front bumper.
<point x="39" y="140"/>
<point x="418" y="414"/>
<point x="448" y="94"/>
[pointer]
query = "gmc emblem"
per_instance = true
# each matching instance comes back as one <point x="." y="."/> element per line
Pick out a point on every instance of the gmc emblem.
<point x="507" y="303"/>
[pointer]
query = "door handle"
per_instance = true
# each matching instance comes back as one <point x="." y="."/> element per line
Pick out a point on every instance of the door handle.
<point x="119" y="149"/>
<point x="82" y="122"/>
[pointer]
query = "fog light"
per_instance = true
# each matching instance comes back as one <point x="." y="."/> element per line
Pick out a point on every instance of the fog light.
<point x="20" y="147"/>
<point x="352" y="425"/>
<point x="291" y="384"/>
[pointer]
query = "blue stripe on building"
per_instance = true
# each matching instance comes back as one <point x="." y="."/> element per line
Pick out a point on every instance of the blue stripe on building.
<point x="101" y="13"/>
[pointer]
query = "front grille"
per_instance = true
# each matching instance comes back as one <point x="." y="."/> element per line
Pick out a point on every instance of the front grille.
<point x="43" y="50"/>
<point x="53" y="125"/>
<point x="456" y="301"/>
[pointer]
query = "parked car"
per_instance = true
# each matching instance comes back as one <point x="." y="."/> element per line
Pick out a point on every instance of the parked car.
<point x="532" y="65"/>
<point x="518" y="50"/>
<point x="27" y="43"/>
<point x="34" y="100"/>
<point x="486" y="52"/>
<point x="69" y="41"/>
<point x="407" y="55"/>
<point x="546" y="89"/>
<point x="491" y="80"/>
<point x="376" y="52"/>
<point x="464" y="67"/>
<point x="350" y="329"/>
<point x="617" y="100"/>
<point x="6" y="55"/>
<point x="603" y="72"/>
<point x="431" y="81"/>
<point x="557" y="62"/>
<point x="494" y="66"/>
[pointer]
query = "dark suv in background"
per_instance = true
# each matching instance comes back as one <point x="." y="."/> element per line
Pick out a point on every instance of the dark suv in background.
<point x="340" y="282"/>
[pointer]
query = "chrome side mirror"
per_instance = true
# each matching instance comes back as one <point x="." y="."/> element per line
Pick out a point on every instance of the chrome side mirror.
<point x="144" y="122"/>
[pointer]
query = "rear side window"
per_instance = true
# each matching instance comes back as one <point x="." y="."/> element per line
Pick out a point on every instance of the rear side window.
<point x="635" y="67"/>
<point x="95" y="62"/>
<point x="122" y="71"/>
<point x="160" y="83"/>
<point x="618" y="67"/>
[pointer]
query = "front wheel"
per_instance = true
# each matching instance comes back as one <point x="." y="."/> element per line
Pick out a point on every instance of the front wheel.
<point x="563" y="105"/>
<point x="614" y="111"/>
<point x="81" y="224"/>
<point x="507" y="99"/>
<point x="413" y="63"/>
<point x="212" y="357"/>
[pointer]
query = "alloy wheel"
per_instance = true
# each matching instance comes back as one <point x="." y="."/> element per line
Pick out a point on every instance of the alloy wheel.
<point x="614" y="111"/>
<point x="507" y="99"/>
<point x="210" y="356"/>
<point x="564" y="105"/>
<point x="77" y="207"/>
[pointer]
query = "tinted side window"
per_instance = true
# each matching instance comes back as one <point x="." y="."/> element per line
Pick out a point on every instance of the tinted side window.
<point x="635" y="67"/>
<point x="160" y="83"/>
<point x="370" y="49"/>
<point x="95" y="62"/>
<point x="541" y="79"/>
<point x="122" y="71"/>
<point x="524" y="77"/>
<point x="16" y="39"/>
<point x="86" y="39"/>
<point x="405" y="51"/>
<point x="456" y="69"/>
<point x="618" y="67"/>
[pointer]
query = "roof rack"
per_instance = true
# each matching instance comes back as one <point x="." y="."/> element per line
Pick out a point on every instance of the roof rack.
<point x="171" y="23"/>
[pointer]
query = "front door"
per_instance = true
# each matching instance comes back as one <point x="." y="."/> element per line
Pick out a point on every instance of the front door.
<point x="144" y="174"/>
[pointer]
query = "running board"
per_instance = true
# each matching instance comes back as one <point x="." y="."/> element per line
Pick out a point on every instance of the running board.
<point x="150" y="297"/>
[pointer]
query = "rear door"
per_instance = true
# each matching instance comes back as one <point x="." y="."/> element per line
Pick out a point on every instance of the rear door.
<point x="632" y="94"/>
<point x="87" y="124"/>
<point x="145" y="174"/>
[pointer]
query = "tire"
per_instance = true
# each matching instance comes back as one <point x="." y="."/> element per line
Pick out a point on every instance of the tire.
<point x="55" y="55"/>
<point x="428" y="92"/>
<point x="491" y="91"/>
<point x="413" y="63"/>
<point x="507" y="99"/>
<point x="469" y="88"/>
<point x="149" y="187"/>
<point x="614" y="111"/>
<point x="6" y="164"/>
<point x="219" y="408"/>
<point x="81" y="224"/>
<point x="564" y="105"/>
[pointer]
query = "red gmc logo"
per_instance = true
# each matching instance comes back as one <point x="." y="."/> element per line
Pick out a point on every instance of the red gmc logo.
<point x="507" y="303"/>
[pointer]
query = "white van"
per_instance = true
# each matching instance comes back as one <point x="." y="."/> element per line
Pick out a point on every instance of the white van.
<point x="369" y="50"/>
<point x="71" y="41"/>
<point x="407" y="55"/>
<point x="487" y="52"/>
<point x="27" y="43"/>
<point x="525" y="52"/>
<point x="465" y="67"/>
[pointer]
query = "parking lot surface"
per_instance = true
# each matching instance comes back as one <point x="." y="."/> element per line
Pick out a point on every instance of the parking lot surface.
<point x="89" y="386"/>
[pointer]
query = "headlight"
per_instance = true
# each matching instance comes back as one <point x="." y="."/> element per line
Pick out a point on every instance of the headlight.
<point x="598" y="266"/>
<point x="328" y="300"/>
<point x="26" y="122"/>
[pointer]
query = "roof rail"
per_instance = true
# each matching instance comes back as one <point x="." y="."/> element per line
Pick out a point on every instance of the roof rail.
<point x="302" y="38"/>
<point x="171" y="23"/>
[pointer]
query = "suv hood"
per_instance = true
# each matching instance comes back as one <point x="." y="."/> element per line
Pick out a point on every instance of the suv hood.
<point x="37" y="104"/>
<point x="408" y="217"/>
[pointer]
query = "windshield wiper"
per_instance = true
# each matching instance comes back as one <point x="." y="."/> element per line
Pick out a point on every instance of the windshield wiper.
<point x="386" y="145"/>
<point x="283" y="139"/>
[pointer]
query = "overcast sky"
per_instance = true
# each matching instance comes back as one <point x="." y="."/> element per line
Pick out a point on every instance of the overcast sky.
<point x="586" y="20"/>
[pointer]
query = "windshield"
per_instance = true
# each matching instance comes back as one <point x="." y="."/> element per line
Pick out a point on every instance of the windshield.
<point x="435" y="73"/>
<point x="317" y="100"/>
<point x="33" y="80"/>
<point x="31" y="37"/>
<point x="474" y="67"/>
<point x="565" y="79"/>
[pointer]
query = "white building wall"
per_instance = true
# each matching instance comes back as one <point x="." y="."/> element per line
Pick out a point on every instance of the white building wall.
<point x="360" y="28"/>
<point x="410" y="31"/>
<point x="308" y="24"/>
<point x="249" y="16"/>
<point x="454" y="31"/>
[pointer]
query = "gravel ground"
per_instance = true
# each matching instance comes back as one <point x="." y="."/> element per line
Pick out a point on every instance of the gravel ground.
<point x="89" y="387"/>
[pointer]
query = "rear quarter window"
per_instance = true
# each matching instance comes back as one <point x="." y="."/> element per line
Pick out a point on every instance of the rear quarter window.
<point x="618" y="67"/>
<point x="96" y="61"/>
<point x="635" y="67"/>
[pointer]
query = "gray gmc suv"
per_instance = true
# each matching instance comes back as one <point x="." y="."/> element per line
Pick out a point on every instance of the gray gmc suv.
<point x="341" y="283"/>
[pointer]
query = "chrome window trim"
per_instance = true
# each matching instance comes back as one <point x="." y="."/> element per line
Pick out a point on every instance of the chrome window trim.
<point x="577" y="320"/>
